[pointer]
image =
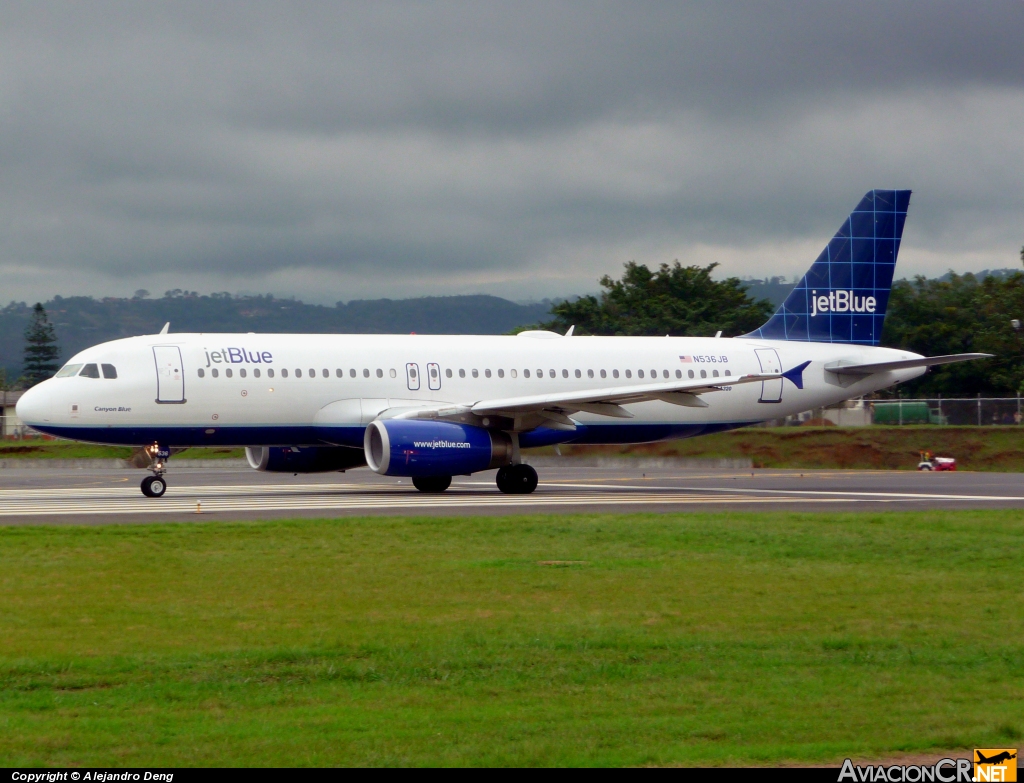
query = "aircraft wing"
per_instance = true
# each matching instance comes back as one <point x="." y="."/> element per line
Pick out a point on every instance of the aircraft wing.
<point x="904" y="364"/>
<point x="608" y="401"/>
<point x="552" y="409"/>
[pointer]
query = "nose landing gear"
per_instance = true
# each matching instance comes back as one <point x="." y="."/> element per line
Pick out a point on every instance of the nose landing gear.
<point x="154" y="486"/>
<point x="517" y="479"/>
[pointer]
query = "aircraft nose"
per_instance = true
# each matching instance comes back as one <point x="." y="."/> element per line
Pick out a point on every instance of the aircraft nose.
<point x="32" y="407"/>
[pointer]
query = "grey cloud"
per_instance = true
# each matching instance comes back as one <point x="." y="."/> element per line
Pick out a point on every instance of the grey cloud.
<point x="397" y="148"/>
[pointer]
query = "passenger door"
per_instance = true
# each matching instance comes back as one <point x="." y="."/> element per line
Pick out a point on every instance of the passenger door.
<point x="771" y="391"/>
<point x="170" y="377"/>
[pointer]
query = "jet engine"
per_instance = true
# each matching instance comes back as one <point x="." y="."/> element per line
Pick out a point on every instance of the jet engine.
<point x="414" y="447"/>
<point x="303" y="459"/>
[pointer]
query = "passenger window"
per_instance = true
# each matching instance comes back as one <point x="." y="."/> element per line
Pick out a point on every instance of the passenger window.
<point x="380" y="373"/>
<point x="202" y="373"/>
<point x="109" y="371"/>
<point x="352" y="373"/>
<point x="715" y="373"/>
<point x="703" y="373"/>
<point x="629" y="373"/>
<point x="312" y="373"/>
<point x="228" y="372"/>
<point x="664" y="373"/>
<point x="679" y="373"/>
<point x="298" y="373"/>
<point x="89" y="371"/>
<point x="270" y="373"/>
<point x="69" y="370"/>
<point x="487" y="373"/>
<point x="501" y="373"/>
<point x="590" y="373"/>
<point x="256" y="372"/>
<point x="366" y="373"/>
<point x="326" y="373"/>
<point x="241" y="373"/>
<point x="551" y="373"/>
<point x="604" y="374"/>
<point x="654" y="373"/>
<point x="476" y="373"/>
<point x="215" y="373"/>
<point x="727" y="373"/>
<point x="639" y="373"/>
<point x="689" y="373"/>
<point x="565" y="373"/>
<point x="284" y="373"/>
<point x="526" y="373"/>
<point x="339" y="373"/>
<point x="615" y="373"/>
<point x="462" y="373"/>
<point x="394" y="373"/>
<point x="515" y="373"/>
<point x="447" y="373"/>
<point x="540" y="374"/>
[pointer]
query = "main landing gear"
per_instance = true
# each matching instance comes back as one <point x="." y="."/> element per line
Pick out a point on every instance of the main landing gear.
<point x="517" y="479"/>
<point x="156" y="485"/>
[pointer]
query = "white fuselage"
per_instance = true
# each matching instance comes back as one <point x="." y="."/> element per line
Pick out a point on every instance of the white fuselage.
<point x="280" y="389"/>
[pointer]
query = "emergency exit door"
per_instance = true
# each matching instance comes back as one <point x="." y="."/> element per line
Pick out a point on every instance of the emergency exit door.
<point x="412" y="376"/>
<point x="170" y="378"/>
<point x="771" y="391"/>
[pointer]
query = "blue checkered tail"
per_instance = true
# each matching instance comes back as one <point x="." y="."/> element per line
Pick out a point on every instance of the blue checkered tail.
<point x="843" y="296"/>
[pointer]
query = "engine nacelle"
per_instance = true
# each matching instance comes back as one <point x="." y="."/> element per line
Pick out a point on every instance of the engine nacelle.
<point x="413" y="447"/>
<point x="304" y="459"/>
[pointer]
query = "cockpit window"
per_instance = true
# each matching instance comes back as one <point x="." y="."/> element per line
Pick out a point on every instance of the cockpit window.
<point x="68" y="370"/>
<point x="109" y="371"/>
<point x="89" y="371"/>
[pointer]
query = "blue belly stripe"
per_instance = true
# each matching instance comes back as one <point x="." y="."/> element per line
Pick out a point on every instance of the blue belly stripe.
<point x="352" y="435"/>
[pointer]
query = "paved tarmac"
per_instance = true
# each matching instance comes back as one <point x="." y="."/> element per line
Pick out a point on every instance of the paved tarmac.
<point x="112" y="496"/>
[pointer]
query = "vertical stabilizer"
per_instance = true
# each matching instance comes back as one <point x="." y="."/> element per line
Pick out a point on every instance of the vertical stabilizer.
<point x="844" y="295"/>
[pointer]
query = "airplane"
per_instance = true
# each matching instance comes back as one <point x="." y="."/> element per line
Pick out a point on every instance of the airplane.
<point x="432" y="407"/>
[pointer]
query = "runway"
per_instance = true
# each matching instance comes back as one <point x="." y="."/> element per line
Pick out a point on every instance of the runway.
<point x="113" y="496"/>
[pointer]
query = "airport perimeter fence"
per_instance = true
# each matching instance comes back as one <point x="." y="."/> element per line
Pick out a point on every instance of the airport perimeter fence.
<point x="938" y="411"/>
<point x="956" y="411"/>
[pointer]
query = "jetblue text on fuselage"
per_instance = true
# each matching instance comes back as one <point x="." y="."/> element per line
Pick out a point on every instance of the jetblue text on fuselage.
<point x="841" y="302"/>
<point x="238" y="356"/>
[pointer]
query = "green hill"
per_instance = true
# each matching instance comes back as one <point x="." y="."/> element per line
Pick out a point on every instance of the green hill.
<point x="82" y="321"/>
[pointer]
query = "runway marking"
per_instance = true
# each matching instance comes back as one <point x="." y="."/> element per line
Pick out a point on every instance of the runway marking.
<point x="233" y="498"/>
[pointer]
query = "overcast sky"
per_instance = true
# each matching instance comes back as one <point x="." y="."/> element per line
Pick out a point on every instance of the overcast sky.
<point x="337" y="151"/>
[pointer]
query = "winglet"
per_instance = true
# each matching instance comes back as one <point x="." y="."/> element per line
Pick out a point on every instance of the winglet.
<point x="569" y="333"/>
<point x="166" y="327"/>
<point x="796" y="375"/>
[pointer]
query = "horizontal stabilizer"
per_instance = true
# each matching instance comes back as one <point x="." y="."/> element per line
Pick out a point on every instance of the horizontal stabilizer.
<point x="904" y="364"/>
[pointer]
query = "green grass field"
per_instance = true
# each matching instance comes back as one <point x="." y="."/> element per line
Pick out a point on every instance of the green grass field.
<point x="632" y="639"/>
<point x="39" y="448"/>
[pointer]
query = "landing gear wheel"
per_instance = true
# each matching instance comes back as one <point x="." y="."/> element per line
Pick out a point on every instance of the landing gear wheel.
<point x="502" y="480"/>
<point x="153" y="486"/>
<point x="517" y="480"/>
<point x="432" y="483"/>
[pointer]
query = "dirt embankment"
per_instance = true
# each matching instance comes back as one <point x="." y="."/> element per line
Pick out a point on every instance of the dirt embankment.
<point x="975" y="448"/>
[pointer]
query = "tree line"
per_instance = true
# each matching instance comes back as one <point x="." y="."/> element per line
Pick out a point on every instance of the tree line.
<point x="952" y="314"/>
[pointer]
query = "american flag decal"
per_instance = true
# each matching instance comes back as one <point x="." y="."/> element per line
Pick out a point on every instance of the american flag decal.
<point x="686" y="359"/>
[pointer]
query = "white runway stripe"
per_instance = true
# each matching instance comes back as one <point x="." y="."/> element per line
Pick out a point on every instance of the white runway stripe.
<point x="306" y="497"/>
